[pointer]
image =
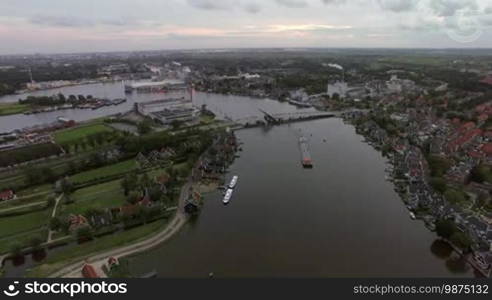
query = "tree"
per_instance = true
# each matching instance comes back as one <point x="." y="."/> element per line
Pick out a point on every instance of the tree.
<point x="56" y="223"/>
<point x="461" y="240"/>
<point x="155" y="193"/>
<point x="176" y="124"/>
<point x="445" y="228"/>
<point x="50" y="201"/>
<point x="454" y="196"/>
<point x="35" y="243"/>
<point x="478" y="174"/>
<point x="129" y="182"/>
<point x="133" y="197"/>
<point x="66" y="186"/>
<point x="438" y="184"/>
<point x="145" y="181"/>
<point x="84" y="233"/>
<point x="16" y="249"/>
<point x="144" y="127"/>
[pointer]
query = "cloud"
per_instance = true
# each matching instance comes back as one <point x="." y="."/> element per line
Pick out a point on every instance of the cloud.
<point x="335" y="2"/>
<point x="210" y="4"/>
<point x="449" y="8"/>
<point x="247" y="6"/>
<point x="75" y="22"/>
<point x="61" y="21"/>
<point x="292" y="3"/>
<point x="252" y="8"/>
<point x="398" y="5"/>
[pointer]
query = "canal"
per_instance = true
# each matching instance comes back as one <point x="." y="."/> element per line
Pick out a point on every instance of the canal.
<point x="339" y="219"/>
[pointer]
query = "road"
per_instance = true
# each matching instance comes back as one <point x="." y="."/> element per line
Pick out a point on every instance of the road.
<point x="98" y="260"/>
<point x="53" y="214"/>
<point x="21" y="207"/>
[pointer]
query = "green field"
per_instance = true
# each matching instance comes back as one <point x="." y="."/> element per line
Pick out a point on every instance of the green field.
<point x="75" y="134"/>
<point x="56" y="261"/>
<point x="13" y="108"/>
<point x="10" y="226"/>
<point x="22" y="239"/>
<point x="118" y="168"/>
<point x="106" y="195"/>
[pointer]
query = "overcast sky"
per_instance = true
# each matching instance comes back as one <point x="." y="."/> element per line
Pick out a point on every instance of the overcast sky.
<point x="44" y="26"/>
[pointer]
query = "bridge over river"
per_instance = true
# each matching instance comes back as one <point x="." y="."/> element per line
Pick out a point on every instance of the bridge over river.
<point x="282" y="118"/>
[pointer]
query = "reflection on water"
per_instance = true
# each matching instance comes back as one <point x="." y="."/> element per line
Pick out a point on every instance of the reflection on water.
<point x="457" y="264"/>
<point x="441" y="249"/>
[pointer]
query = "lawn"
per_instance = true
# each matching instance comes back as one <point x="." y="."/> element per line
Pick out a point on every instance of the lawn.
<point x="22" y="239"/>
<point x="10" y="226"/>
<point x="106" y="195"/>
<point x="75" y="134"/>
<point x="118" y="168"/>
<point x="13" y="108"/>
<point x="57" y="260"/>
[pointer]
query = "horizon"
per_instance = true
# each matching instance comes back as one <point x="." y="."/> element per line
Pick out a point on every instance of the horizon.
<point x="29" y="27"/>
<point x="244" y="49"/>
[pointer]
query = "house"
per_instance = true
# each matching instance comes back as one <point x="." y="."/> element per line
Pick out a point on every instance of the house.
<point x="88" y="271"/>
<point x="76" y="222"/>
<point x="7" y="195"/>
<point x="112" y="262"/>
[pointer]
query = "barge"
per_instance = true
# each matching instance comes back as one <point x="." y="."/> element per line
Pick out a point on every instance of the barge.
<point x="306" y="160"/>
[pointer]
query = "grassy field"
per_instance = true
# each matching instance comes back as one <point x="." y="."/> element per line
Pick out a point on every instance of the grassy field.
<point x="23" y="239"/>
<point x="58" y="260"/>
<point x="106" y="195"/>
<point x="71" y="135"/>
<point x="13" y="108"/>
<point x="10" y="226"/>
<point x="117" y="168"/>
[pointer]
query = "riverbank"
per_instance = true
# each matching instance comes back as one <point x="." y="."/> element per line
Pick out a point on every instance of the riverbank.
<point x="7" y="109"/>
<point x="408" y="173"/>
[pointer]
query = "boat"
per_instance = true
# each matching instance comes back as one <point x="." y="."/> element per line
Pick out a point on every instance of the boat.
<point x="299" y="103"/>
<point x="412" y="216"/>
<point x="227" y="196"/>
<point x="233" y="182"/>
<point x="305" y="155"/>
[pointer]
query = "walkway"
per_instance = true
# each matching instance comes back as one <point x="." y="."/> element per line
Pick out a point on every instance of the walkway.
<point x="53" y="214"/>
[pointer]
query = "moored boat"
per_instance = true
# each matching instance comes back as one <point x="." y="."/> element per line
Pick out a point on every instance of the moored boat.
<point x="233" y="182"/>
<point x="227" y="196"/>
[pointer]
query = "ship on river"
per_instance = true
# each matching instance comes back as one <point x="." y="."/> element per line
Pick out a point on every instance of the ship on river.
<point x="233" y="182"/>
<point x="227" y="196"/>
<point x="305" y="154"/>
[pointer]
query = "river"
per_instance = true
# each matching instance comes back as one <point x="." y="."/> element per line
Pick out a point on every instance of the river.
<point x="339" y="219"/>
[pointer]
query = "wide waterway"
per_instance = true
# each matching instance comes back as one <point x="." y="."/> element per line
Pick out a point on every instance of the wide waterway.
<point x="341" y="218"/>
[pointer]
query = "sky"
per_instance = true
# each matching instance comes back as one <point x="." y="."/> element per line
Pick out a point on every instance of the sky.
<point x="64" y="26"/>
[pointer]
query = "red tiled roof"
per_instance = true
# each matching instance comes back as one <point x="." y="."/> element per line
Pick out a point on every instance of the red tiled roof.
<point x="487" y="149"/>
<point x="88" y="271"/>
<point x="487" y="80"/>
<point x="8" y="194"/>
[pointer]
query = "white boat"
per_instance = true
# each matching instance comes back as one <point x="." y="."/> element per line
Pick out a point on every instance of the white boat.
<point x="412" y="216"/>
<point x="233" y="182"/>
<point x="227" y="196"/>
